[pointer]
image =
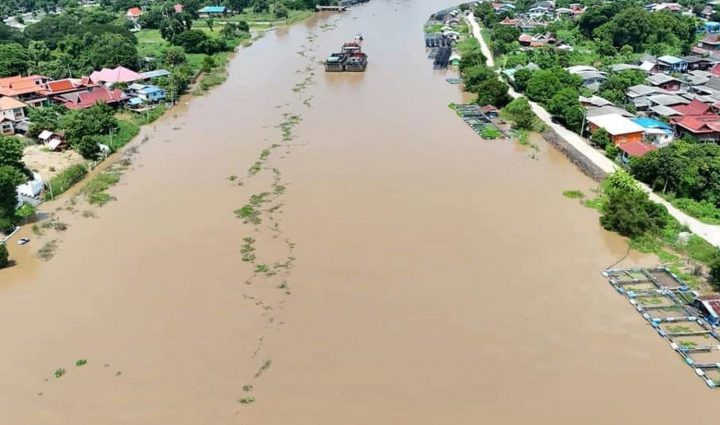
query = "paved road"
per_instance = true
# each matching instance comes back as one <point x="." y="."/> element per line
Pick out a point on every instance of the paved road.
<point x="710" y="233"/>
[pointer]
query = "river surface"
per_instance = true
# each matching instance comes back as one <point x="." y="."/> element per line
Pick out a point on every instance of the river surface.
<point x="405" y="272"/>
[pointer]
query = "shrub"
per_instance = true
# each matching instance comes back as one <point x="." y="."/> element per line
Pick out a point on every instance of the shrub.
<point x="628" y="210"/>
<point x="4" y="256"/>
<point x="521" y="114"/>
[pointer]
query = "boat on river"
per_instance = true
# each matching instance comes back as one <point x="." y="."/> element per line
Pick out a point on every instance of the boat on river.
<point x="351" y="58"/>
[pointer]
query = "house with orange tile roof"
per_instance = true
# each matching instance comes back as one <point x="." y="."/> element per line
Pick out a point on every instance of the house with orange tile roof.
<point x="68" y="85"/>
<point x="12" y="114"/>
<point x="25" y="89"/>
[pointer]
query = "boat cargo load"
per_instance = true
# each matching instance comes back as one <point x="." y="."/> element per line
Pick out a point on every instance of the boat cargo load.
<point x="351" y="58"/>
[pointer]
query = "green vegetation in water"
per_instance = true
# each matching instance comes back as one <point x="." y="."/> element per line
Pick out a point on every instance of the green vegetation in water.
<point x="255" y="168"/>
<point x="247" y="400"/>
<point x="278" y="189"/>
<point x="651" y="300"/>
<point x="263" y="368"/>
<point x="264" y="154"/>
<point x="249" y="214"/>
<point x="678" y="329"/>
<point x="573" y="194"/>
<point x="247" y="388"/>
<point x="490" y="132"/>
<point x="59" y="372"/>
<point x="248" y="249"/>
<point x="47" y="252"/>
<point x="96" y="189"/>
<point x="687" y="344"/>
<point x="81" y="362"/>
<point x="435" y="28"/>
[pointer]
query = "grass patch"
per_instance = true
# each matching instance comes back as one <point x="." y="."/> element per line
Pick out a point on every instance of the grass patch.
<point x="704" y="211"/>
<point x="126" y="131"/>
<point x="64" y="180"/>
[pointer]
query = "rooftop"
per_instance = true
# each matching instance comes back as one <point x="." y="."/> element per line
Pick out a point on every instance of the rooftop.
<point x="615" y="124"/>
<point x="658" y="79"/>
<point x="156" y="73"/>
<point x="667" y="99"/>
<point x="665" y="111"/>
<point x="651" y="123"/>
<point x="695" y="107"/>
<point x="7" y="103"/>
<point x="119" y="74"/>
<point x="213" y="9"/>
<point x="672" y="60"/>
<point x="636" y="149"/>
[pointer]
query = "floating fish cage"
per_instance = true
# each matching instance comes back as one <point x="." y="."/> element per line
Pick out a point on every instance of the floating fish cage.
<point x="442" y="58"/>
<point x="438" y="40"/>
<point x="665" y="301"/>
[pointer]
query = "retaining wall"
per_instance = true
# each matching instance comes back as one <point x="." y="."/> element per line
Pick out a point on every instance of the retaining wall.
<point x="576" y="157"/>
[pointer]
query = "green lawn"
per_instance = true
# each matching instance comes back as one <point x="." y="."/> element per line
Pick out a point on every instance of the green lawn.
<point x="150" y="43"/>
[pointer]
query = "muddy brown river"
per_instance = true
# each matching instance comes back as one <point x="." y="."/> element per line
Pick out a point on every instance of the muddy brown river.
<point x="405" y="271"/>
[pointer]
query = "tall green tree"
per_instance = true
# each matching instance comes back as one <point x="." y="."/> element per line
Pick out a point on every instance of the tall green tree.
<point x="14" y="59"/>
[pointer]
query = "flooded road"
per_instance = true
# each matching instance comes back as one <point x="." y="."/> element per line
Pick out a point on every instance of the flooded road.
<point x="400" y="269"/>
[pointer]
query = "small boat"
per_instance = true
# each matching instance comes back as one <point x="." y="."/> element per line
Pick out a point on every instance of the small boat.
<point x="23" y="241"/>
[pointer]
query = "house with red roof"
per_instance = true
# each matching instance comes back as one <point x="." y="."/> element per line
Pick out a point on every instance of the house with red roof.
<point x="634" y="149"/>
<point x="703" y="127"/>
<point x="694" y="108"/>
<point x="134" y="13"/>
<point x="116" y="75"/>
<point x="25" y="89"/>
<point x="91" y="96"/>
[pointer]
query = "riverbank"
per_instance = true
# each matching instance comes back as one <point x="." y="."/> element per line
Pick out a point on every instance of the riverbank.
<point x="90" y="180"/>
<point x="595" y="163"/>
<point x="421" y="256"/>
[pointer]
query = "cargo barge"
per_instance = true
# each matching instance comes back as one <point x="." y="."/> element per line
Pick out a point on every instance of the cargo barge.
<point x="350" y="59"/>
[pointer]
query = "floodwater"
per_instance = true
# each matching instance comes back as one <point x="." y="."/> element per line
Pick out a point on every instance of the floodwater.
<point x="405" y="271"/>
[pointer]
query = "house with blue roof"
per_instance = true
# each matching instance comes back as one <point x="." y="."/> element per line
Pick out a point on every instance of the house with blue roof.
<point x="145" y="94"/>
<point x="711" y="27"/>
<point x="210" y="11"/>
<point x="656" y="132"/>
<point x="669" y="63"/>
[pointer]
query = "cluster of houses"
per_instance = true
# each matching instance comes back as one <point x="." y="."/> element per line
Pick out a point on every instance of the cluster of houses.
<point x="133" y="14"/>
<point x="538" y="15"/>
<point x="680" y="96"/>
<point x="118" y="87"/>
